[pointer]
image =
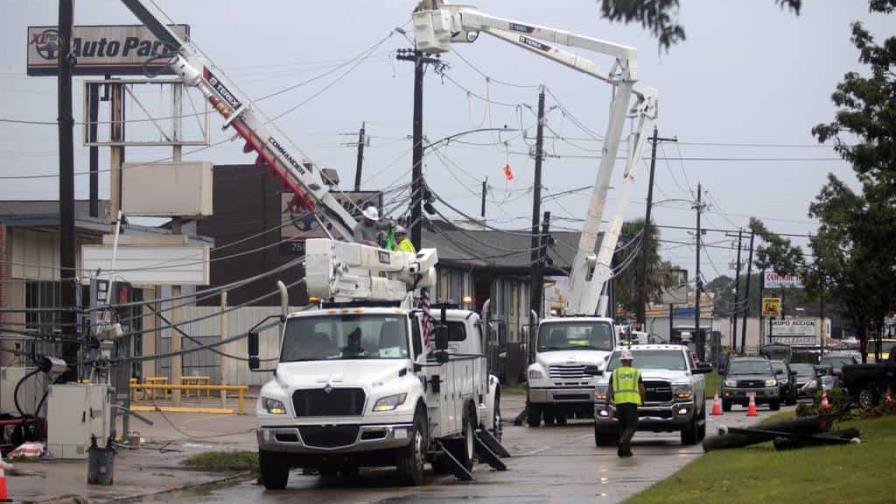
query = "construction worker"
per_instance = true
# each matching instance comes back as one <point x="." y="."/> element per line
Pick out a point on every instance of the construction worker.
<point x="627" y="393"/>
<point x="367" y="230"/>
<point x="404" y="243"/>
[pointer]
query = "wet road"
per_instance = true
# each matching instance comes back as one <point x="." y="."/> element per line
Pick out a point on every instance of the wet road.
<point x="549" y="464"/>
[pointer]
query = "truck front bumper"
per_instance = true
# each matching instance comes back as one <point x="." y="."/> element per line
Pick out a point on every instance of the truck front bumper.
<point x="556" y="395"/>
<point x="651" y="417"/>
<point x="333" y="439"/>
<point x="741" y="396"/>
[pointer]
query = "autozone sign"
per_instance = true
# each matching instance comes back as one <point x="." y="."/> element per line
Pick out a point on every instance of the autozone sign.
<point x="102" y="50"/>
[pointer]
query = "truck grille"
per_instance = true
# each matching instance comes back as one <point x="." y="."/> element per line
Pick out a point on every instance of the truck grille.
<point x="658" y="391"/>
<point x="329" y="436"/>
<point x="750" y="384"/>
<point x="336" y="402"/>
<point x="568" y="372"/>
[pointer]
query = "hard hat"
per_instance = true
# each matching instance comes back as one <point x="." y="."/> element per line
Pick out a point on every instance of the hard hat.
<point x="400" y="230"/>
<point x="626" y="355"/>
<point x="372" y="213"/>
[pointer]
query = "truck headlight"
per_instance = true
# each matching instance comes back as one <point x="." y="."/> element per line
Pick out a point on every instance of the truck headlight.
<point x="273" y="406"/>
<point x="730" y="383"/>
<point x="682" y="391"/>
<point x="389" y="403"/>
<point x="771" y="383"/>
<point x="535" y="374"/>
<point x="600" y="394"/>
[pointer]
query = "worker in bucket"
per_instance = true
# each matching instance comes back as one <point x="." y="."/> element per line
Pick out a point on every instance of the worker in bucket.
<point x="403" y="242"/>
<point x="627" y="393"/>
<point x="367" y="230"/>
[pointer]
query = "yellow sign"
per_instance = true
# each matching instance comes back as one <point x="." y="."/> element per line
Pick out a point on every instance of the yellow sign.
<point x="771" y="307"/>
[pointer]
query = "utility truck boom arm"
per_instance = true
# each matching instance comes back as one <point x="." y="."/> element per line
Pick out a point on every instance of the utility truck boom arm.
<point x="437" y="28"/>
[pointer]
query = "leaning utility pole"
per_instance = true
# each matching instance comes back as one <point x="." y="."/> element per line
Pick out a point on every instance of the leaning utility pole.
<point x="641" y="307"/>
<point x="360" y="162"/>
<point x="740" y="233"/>
<point x="536" y="287"/>
<point x="66" y="122"/>
<point x="697" y="280"/>
<point x="417" y="183"/>
<point x="538" y="265"/>
<point x="743" y="334"/>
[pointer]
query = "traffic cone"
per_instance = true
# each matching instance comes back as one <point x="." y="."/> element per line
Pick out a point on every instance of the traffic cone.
<point x="751" y="408"/>
<point x="716" y="405"/>
<point x="825" y="405"/>
<point x="4" y="494"/>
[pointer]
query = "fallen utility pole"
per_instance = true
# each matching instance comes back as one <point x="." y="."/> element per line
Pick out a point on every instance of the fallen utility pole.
<point x="360" y="163"/>
<point x="536" y="280"/>
<point x="641" y="306"/>
<point x="66" y="121"/>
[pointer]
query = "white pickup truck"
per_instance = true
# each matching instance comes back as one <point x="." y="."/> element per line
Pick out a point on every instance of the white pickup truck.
<point x="676" y="394"/>
<point x="558" y="386"/>
<point x="355" y="386"/>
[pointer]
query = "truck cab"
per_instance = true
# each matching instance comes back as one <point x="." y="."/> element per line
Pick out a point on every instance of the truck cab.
<point x="558" y="386"/>
<point x="357" y="386"/>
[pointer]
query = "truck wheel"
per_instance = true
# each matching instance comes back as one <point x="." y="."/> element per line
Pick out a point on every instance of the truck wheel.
<point x="605" y="437"/>
<point x="533" y="415"/>
<point x="868" y="397"/>
<point x="412" y="458"/>
<point x="560" y="419"/>
<point x="701" y="427"/>
<point x="774" y="405"/>
<point x="274" y="468"/>
<point x="548" y="417"/>
<point x="690" y="433"/>
<point x="726" y="405"/>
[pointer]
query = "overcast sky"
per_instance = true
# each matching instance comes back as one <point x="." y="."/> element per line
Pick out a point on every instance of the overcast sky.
<point x="748" y="73"/>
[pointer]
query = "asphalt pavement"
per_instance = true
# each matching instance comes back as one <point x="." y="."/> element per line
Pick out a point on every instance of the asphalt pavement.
<point x="549" y="464"/>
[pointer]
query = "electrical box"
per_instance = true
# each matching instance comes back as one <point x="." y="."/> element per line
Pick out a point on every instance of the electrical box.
<point x="75" y="412"/>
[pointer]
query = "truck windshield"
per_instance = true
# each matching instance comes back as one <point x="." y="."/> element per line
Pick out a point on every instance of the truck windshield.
<point x="345" y="337"/>
<point x="750" y="367"/>
<point x="653" y="359"/>
<point x="591" y="335"/>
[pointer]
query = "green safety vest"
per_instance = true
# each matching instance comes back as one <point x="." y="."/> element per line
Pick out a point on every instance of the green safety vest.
<point x="625" y="385"/>
<point x="406" y="246"/>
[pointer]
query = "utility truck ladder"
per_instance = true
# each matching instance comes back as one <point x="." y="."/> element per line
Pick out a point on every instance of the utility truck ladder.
<point x="438" y="25"/>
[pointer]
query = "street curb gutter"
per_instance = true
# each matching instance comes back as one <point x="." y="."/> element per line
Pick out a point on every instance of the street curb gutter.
<point x="78" y="499"/>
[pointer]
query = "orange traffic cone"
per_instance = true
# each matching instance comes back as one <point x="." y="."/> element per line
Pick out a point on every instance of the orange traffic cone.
<point x="751" y="408"/>
<point x="4" y="494"/>
<point x="716" y="405"/>
<point x="825" y="405"/>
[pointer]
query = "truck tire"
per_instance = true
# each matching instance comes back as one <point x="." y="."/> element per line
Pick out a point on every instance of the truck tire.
<point x="701" y="428"/>
<point x="411" y="459"/>
<point x="868" y="396"/>
<point x="605" y="437"/>
<point x="774" y="405"/>
<point x="274" y="469"/>
<point x="533" y="415"/>
<point x="690" y="434"/>
<point x="726" y="405"/>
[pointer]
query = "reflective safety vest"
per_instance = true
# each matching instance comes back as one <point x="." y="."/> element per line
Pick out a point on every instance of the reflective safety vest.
<point x="625" y="385"/>
<point x="406" y="246"/>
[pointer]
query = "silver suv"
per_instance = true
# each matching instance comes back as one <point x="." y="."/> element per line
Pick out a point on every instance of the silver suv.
<point x="675" y="394"/>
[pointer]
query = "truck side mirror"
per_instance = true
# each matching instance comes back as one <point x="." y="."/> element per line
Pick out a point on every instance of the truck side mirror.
<point x="252" y="344"/>
<point x="441" y="333"/>
<point x="703" y="369"/>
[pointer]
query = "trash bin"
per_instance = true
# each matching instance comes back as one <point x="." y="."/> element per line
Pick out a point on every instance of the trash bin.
<point x="100" y="463"/>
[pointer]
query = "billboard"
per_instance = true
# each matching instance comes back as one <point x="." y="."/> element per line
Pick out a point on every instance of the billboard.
<point x="298" y="225"/>
<point x="794" y="327"/>
<point x="773" y="280"/>
<point x="150" y="264"/>
<point x="102" y="50"/>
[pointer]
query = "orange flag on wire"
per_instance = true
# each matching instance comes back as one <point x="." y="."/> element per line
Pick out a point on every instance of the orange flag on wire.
<point x="508" y="172"/>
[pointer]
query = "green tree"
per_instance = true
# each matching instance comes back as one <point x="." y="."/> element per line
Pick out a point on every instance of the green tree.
<point x="661" y="16"/>
<point x="626" y="284"/>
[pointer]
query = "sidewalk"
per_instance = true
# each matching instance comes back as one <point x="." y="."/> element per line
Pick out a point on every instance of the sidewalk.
<point x="157" y="466"/>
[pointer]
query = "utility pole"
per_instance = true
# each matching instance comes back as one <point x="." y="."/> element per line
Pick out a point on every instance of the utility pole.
<point x="66" y="122"/>
<point x="740" y="233"/>
<point x="697" y="280"/>
<point x="641" y="307"/>
<point x="536" y="287"/>
<point x="743" y="334"/>
<point x="360" y="163"/>
<point x="93" y="114"/>
<point x="536" y="300"/>
<point x="484" y="193"/>
<point x="823" y="328"/>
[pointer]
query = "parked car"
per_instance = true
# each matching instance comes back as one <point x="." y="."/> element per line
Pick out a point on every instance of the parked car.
<point x="786" y="381"/>
<point x="805" y="373"/>
<point x="866" y="383"/>
<point x="675" y="389"/>
<point x="835" y="361"/>
<point x="748" y="376"/>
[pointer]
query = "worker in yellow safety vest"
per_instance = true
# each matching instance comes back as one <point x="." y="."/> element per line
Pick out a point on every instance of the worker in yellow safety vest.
<point x="404" y="243"/>
<point x="627" y="393"/>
